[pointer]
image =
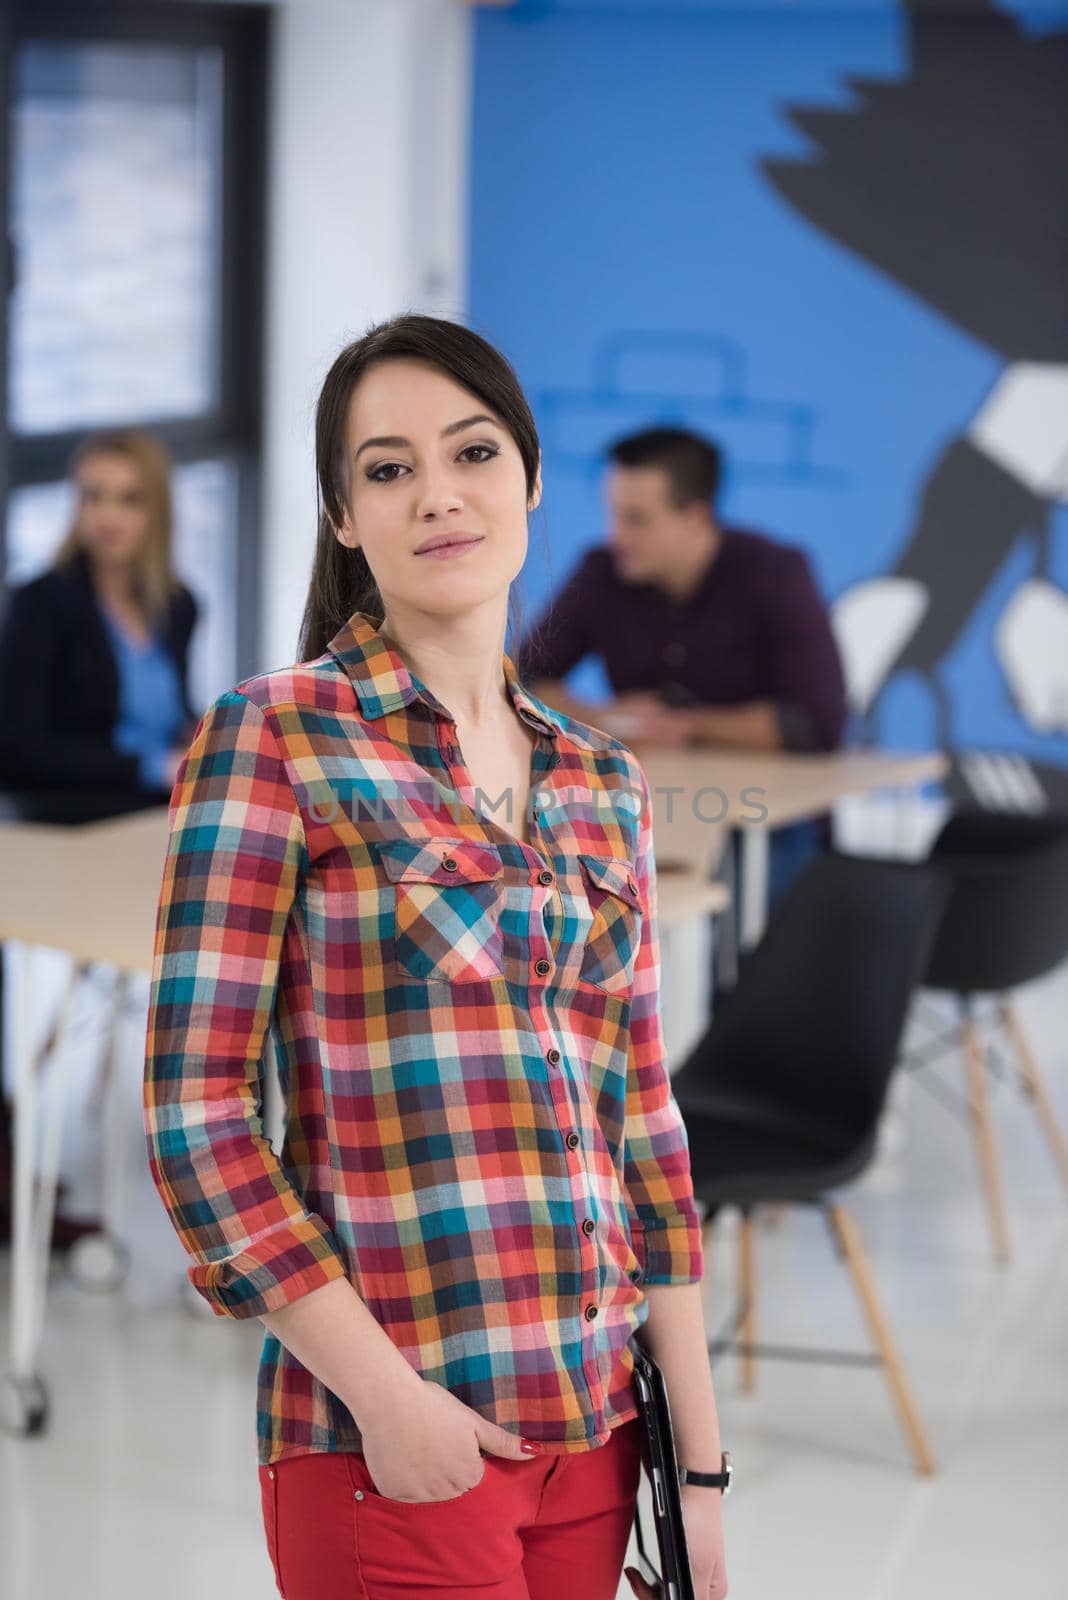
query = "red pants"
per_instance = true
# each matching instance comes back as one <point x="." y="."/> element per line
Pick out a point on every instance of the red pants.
<point x="543" y="1529"/>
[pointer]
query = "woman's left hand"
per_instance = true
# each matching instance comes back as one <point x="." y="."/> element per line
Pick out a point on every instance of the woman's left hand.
<point x="702" y="1517"/>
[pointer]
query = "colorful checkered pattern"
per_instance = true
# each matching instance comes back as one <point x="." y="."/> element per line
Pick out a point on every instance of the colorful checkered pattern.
<point x="480" y="1133"/>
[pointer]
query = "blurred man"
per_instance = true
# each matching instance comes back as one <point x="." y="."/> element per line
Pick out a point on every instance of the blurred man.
<point x="709" y="634"/>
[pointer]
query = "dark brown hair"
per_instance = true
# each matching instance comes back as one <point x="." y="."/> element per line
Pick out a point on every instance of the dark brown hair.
<point x="692" y="464"/>
<point x="342" y="581"/>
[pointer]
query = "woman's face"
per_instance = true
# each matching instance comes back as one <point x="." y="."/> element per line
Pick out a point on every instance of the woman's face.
<point x="112" y="512"/>
<point x="429" y="464"/>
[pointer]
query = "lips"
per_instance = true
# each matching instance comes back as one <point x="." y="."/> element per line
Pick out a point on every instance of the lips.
<point x="448" y="541"/>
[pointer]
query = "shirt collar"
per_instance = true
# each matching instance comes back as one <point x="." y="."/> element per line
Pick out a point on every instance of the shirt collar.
<point x="383" y="682"/>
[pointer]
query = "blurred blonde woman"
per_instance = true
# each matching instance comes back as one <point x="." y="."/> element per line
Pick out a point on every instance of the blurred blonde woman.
<point x="94" y="702"/>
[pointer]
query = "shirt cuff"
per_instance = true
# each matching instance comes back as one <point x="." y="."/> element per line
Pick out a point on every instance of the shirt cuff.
<point x="796" y="727"/>
<point x="671" y="1251"/>
<point x="280" y="1267"/>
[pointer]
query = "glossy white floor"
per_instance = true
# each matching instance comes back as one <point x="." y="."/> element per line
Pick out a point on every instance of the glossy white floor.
<point x="145" y="1483"/>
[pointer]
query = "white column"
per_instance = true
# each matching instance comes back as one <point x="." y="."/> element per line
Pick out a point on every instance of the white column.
<point x="367" y="201"/>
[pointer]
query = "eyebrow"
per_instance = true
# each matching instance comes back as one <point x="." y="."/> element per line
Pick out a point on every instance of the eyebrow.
<point x="396" y="441"/>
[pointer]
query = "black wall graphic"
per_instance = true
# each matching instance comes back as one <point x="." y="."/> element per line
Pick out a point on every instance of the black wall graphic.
<point x="954" y="183"/>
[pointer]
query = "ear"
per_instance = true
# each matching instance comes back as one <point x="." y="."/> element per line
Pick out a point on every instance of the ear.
<point x="346" y="534"/>
<point x="535" y="493"/>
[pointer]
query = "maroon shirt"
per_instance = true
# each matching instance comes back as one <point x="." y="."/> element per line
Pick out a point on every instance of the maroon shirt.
<point x="754" y="629"/>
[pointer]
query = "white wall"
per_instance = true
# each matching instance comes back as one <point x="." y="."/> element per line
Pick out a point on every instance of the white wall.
<point x="366" y="217"/>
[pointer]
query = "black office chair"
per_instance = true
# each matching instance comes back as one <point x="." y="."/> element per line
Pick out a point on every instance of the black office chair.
<point x="782" y="1095"/>
<point x="1006" y="923"/>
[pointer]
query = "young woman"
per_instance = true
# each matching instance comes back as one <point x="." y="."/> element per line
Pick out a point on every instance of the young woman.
<point x="437" y="896"/>
<point x="94" y="697"/>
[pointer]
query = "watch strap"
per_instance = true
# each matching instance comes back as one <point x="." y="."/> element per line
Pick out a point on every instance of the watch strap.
<point x="709" y="1480"/>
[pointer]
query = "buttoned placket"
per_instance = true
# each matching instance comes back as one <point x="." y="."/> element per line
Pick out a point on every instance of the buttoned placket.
<point x="542" y="967"/>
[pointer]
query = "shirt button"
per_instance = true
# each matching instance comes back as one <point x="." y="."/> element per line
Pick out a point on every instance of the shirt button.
<point x="542" y="967"/>
<point x="449" y="864"/>
<point x="552" y="1056"/>
<point x="635" y="1275"/>
<point x="589" y="1225"/>
<point x="589" y="1313"/>
<point x="632" y="886"/>
<point x="358" y="1494"/>
<point x="572" y="1141"/>
<point x="545" y="877"/>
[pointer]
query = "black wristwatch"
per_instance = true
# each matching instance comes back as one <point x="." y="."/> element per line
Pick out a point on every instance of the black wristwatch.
<point x="711" y="1480"/>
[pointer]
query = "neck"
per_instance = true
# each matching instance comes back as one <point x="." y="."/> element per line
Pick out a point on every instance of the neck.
<point x="458" y="658"/>
<point x="112" y="582"/>
<point x="686" y="576"/>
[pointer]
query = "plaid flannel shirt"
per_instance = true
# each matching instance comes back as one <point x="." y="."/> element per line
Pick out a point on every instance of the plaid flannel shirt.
<point x="479" y="1129"/>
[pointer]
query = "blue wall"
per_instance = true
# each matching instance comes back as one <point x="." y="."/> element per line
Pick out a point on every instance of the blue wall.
<point x="635" y="262"/>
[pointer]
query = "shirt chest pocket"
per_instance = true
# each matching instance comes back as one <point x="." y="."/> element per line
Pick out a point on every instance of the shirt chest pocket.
<point x="612" y="942"/>
<point x="449" y="897"/>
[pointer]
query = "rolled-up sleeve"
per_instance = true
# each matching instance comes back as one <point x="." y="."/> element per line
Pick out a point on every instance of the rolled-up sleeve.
<point x="235" y="854"/>
<point x="664" y="1222"/>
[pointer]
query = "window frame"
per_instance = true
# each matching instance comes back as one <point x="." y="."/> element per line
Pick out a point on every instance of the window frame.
<point x="231" y="428"/>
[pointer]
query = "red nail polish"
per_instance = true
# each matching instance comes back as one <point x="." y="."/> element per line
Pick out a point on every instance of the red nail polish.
<point x="530" y="1448"/>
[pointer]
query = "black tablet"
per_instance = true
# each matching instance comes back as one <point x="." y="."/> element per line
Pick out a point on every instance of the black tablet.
<point x="673" y="1580"/>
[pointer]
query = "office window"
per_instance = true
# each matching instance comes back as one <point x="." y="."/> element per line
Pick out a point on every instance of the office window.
<point x="133" y="197"/>
<point x="115" y="194"/>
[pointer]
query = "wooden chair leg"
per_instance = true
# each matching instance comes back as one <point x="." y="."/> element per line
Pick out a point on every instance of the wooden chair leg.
<point x="983" y="1130"/>
<point x="856" y="1259"/>
<point x="747" y="1330"/>
<point x="1035" y="1087"/>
